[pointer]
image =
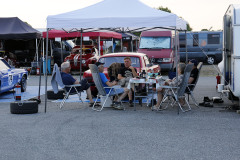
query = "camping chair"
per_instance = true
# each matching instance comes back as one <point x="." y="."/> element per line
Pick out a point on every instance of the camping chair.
<point x="191" y="87"/>
<point x="57" y="81"/>
<point x="101" y="90"/>
<point x="179" y="92"/>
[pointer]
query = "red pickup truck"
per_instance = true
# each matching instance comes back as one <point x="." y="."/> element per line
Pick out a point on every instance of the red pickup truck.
<point x="140" y="61"/>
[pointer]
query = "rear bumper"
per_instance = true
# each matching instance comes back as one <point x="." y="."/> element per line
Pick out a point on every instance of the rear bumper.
<point x="166" y="66"/>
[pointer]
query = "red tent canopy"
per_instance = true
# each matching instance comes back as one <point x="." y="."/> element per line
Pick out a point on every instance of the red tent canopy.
<point x="59" y="33"/>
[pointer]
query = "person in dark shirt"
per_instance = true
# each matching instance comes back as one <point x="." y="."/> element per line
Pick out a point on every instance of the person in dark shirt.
<point x="107" y="83"/>
<point x="127" y="72"/>
<point x="68" y="79"/>
<point x="194" y="72"/>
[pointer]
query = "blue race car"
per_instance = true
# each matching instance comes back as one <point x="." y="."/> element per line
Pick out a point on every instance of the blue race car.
<point x="9" y="77"/>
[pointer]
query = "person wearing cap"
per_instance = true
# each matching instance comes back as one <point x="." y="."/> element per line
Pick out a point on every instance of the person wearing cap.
<point x="107" y="83"/>
<point x="194" y="72"/>
<point x="68" y="79"/>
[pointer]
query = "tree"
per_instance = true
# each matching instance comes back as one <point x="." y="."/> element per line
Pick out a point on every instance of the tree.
<point x="166" y="9"/>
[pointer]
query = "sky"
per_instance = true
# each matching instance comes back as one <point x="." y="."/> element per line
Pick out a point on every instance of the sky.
<point x="200" y="14"/>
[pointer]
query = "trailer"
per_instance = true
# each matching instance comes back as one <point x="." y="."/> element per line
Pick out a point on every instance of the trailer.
<point x="231" y="54"/>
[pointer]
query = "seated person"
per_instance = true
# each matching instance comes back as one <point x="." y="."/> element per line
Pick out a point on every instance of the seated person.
<point x="106" y="83"/>
<point x="69" y="80"/>
<point x="173" y="83"/>
<point x="194" y="73"/>
<point x="125" y="74"/>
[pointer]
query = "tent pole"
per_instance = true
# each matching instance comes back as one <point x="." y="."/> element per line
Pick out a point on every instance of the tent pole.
<point x="99" y="46"/>
<point x="40" y="70"/>
<point x="36" y="50"/>
<point x="112" y="46"/>
<point x="81" y="54"/>
<point x="186" y="46"/>
<point x="46" y="61"/>
<point x="61" y="52"/>
<point x="176" y="60"/>
<point x="132" y="44"/>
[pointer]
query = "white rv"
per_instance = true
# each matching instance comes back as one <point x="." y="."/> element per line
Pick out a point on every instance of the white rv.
<point x="231" y="44"/>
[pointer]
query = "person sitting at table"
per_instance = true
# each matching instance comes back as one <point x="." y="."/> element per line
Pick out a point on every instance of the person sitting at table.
<point x="194" y="73"/>
<point x="174" y="82"/>
<point x="127" y="72"/>
<point x="107" y="83"/>
<point x="68" y="79"/>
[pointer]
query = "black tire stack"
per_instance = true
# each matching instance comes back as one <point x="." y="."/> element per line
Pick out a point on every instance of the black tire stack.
<point x="24" y="107"/>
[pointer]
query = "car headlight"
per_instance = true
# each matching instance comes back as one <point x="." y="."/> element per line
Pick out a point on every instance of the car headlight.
<point x="166" y="59"/>
<point x="83" y="61"/>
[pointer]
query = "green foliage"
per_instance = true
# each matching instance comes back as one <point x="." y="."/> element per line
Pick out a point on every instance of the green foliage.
<point x="166" y="9"/>
<point x="204" y="30"/>
<point x="188" y="27"/>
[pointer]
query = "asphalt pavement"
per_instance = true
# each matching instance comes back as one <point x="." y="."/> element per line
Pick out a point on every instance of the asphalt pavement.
<point x="77" y="132"/>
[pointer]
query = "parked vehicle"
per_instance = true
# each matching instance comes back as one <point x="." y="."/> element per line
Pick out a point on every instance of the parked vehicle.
<point x="9" y="77"/>
<point x="61" y="50"/>
<point x="159" y="46"/>
<point x="231" y="54"/>
<point x="140" y="61"/>
<point x="204" y="46"/>
<point x="89" y="56"/>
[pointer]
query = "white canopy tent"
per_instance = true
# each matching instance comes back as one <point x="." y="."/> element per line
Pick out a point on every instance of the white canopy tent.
<point x="114" y="14"/>
<point x="129" y="15"/>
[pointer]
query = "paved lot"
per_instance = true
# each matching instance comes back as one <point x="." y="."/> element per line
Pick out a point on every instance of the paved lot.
<point x="77" y="132"/>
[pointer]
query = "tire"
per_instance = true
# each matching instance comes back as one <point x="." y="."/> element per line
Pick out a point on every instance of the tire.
<point x="211" y="60"/>
<point x="52" y="95"/>
<point x="23" y="83"/>
<point x="24" y="107"/>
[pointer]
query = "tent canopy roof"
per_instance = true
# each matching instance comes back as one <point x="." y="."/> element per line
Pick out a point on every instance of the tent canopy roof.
<point x="60" y="33"/>
<point x="14" y="28"/>
<point x="116" y="14"/>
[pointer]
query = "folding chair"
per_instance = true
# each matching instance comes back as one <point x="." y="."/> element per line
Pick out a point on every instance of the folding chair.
<point x="57" y="81"/>
<point x="101" y="90"/>
<point x="190" y="87"/>
<point x="179" y="92"/>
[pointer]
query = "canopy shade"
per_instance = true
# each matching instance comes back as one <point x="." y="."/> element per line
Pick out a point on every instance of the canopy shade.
<point x="59" y="33"/>
<point x="115" y="14"/>
<point x="14" y="28"/>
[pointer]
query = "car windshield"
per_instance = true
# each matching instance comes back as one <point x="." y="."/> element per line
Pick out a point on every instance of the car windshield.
<point x="3" y="64"/>
<point x="155" y="43"/>
<point x="109" y="60"/>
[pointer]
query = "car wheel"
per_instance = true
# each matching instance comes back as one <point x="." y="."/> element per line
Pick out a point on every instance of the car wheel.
<point x="23" y="83"/>
<point x="211" y="60"/>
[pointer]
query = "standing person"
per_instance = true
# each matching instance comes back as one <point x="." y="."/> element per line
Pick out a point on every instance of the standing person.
<point x="127" y="72"/>
<point x="174" y="82"/>
<point x="107" y="83"/>
<point x="68" y="79"/>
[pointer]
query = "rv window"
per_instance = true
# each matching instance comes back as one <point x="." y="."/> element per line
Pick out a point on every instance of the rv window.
<point x="195" y="40"/>
<point x="182" y="41"/>
<point x="155" y="43"/>
<point x="213" y="38"/>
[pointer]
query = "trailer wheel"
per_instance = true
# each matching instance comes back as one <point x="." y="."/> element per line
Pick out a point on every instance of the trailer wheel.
<point x="211" y="60"/>
<point x="23" y="83"/>
<point x="24" y="107"/>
